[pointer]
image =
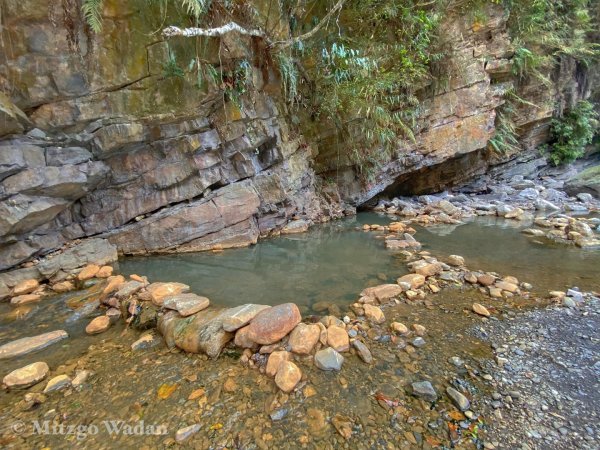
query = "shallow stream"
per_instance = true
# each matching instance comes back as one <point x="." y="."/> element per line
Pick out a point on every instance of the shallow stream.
<point x="330" y="263"/>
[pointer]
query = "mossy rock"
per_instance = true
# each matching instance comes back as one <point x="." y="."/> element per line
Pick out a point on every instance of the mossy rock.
<point x="586" y="181"/>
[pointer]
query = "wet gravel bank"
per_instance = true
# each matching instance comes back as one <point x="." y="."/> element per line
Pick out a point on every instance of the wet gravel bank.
<point x="546" y="377"/>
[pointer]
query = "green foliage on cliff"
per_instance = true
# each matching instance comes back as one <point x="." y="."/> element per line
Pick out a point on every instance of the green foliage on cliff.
<point x="365" y="66"/>
<point x="92" y="11"/>
<point x="362" y="72"/>
<point x="573" y="132"/>
<point x="544" y="30"/>
<point x="171" y="67"/>
<point x="543" y="33"/>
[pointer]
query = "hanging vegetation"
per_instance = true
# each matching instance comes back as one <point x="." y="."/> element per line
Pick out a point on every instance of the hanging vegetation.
<point x="358" y="64"/>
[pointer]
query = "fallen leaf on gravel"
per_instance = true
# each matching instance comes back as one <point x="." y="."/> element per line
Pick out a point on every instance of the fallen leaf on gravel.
<point x="166" y="390"/>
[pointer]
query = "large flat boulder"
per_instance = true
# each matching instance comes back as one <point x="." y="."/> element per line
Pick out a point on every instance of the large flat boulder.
<point x="27" y="345"/>
<point x="192" y="223"/>
<point x="241" y="316"/>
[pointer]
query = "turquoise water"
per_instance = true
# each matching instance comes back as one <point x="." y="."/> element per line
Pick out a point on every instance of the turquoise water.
<point x="496" y="244"/>
<point x="334" y="262"/>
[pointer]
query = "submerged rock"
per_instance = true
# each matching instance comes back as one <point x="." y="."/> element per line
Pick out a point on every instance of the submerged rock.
<point x="481" y="310"/>
<point x="26" y="376"/>
<point x="57" y="383"/>
<point x="328" y="359"/>
<point x="343" y="425"/>
<point x="459" y="399"/>
<point x="24" y="299"/>
<point x="425" y="390"/>
<point x="31" y="344"/>
<point x="81" y="377"/>
<point x="287" y="377"/>
<point x="363" y="351"/>
<point x="272" y="324"/>
<point x="184" y="434"/>
<point x="146" y="341"/>
<point x="98" y="325"/>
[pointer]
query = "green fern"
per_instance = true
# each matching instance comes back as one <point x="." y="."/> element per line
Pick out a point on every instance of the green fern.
<point x="289" y="76"/>
<point x="92" y="11"/>
<point x="196" y="8"/>
<point x="171" y="69"/>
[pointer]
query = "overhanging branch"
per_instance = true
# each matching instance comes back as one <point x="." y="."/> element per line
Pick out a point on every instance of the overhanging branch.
<point x="218" y="31"/>
<point x="232" y="26"/>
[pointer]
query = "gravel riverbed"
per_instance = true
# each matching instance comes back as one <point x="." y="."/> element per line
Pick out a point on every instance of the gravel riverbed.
<point x="546" y="377"/>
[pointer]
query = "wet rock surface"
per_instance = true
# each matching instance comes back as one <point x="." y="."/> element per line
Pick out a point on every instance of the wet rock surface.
<point x="26" y="376"/>
<point x="241" y="316"/>
<point x="27" y="345"/>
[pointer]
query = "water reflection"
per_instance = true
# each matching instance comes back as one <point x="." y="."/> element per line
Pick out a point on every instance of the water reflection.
<point x="329" y="263"/>
<point x="334" y="262"/>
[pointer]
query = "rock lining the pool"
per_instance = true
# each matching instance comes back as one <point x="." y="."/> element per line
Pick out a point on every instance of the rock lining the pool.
<point x="276" y="339"/>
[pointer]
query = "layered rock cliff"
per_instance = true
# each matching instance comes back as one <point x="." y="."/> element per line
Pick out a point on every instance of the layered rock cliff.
<point x="115" y="148"/>
<point x="97" y="138"/>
